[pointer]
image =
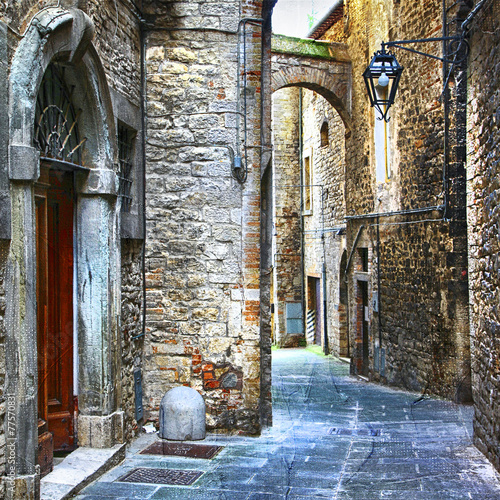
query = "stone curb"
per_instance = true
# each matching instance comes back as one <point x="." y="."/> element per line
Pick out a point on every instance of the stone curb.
<point x="78" y="470"/>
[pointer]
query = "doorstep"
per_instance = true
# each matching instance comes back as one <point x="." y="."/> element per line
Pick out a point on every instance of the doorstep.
<point x="78" y="469"/>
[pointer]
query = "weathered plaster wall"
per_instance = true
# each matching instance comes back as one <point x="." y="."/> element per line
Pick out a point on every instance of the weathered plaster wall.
<point x="203" y="272"/>
<point x="287" y="240"/>
<point x="483" y="173"/>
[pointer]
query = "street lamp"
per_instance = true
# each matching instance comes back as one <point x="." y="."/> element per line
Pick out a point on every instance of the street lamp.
<point x="381" y="79"/>
<point x="383" y="73"/>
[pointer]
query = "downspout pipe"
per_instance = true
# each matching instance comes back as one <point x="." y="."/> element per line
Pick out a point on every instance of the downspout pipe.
<point x="240" y="169"/>
<point x="142" y="38"/>
<point x="301" y="190"/>
<point x="354" y="245"/>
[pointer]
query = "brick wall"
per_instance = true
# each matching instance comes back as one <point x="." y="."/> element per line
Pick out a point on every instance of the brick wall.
<point x="483" y="188"/>
<point x="203" y="302"/>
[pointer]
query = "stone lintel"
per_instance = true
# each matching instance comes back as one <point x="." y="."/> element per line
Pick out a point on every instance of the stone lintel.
<point x="22" y="487"/>
<point x="98" y="182"/>
<point x="281" y="44"/>
<point x="103" y="431"/>
<point x="24" y="163"/>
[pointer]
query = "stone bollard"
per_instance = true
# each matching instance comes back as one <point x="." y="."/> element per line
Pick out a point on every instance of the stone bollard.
<point x="182" y="415"/>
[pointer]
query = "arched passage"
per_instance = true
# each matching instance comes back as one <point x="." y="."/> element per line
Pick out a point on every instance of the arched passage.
<point x="308" y="220"/>
<point x="298" y="66"/>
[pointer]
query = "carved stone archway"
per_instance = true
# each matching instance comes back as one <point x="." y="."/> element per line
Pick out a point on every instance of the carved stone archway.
<point x="64" y="35"/>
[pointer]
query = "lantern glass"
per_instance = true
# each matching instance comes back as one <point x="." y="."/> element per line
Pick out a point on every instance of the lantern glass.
<point x="382" y="79"/>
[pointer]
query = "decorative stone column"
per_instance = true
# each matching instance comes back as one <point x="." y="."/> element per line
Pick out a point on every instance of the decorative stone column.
<point x="100" y="424"/>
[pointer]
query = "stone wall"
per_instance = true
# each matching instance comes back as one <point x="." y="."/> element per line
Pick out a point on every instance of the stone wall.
<point x="287" y="227"/>
<point x="415" y="272"/>
<point x="324" y="141"/>
<point x="483" y="171"/>
<point x="203" y="271"/>
<point x="117" y="41"/>
<point x="132" y="338"/>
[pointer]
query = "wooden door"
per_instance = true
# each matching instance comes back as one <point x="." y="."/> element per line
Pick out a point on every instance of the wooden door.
<point x="317" y="296"/>
<point x="54" y="221"/>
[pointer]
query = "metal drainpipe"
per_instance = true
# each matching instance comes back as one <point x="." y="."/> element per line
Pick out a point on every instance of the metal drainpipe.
<point x="142" y="38"/>
<point x="446" y="111"/>
<point x="379" y="290"/>
<point x="238" y="166"/>
<point x="326" y="347"/>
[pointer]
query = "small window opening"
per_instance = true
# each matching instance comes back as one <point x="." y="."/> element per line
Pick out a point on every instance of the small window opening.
<point x="307" y="184"/>
<point x="363" y="254"/>
<point x="324" y="134"/>
<point x="126" y="137"/>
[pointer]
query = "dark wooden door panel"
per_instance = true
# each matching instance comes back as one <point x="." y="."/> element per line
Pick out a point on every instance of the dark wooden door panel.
<point x="55" y="305"/>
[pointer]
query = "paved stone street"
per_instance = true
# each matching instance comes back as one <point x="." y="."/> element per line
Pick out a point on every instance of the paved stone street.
<point x="335" y="437"/>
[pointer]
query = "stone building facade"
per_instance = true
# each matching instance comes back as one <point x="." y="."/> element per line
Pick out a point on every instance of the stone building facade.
<point x="140" y="162"/>
<point x="203" y="153"/>
<point x="111" y="104"/>
<point x="406" y="230"/>
<point x="483" y="126"/>
<point x="72" y="233"/>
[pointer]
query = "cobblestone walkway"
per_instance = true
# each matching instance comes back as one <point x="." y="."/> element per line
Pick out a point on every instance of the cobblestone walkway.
<point x="333" y="437"/>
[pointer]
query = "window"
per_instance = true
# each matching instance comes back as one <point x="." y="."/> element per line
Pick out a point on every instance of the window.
<point x="324" y="134"/>
<point x="126" y="137"/>
<point x="308" y="181"/>
<point x="56" y="133"/>
<point x="294" y="318"/>
<point x="363" y="257"/>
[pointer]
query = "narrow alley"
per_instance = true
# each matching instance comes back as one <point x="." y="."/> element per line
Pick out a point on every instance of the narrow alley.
<point x="334" y="436"/>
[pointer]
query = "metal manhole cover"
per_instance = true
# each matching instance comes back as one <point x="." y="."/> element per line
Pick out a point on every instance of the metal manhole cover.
<point x="182" y="449"/>
<point x="342" y="431"/>
<point x="161" y="476"/>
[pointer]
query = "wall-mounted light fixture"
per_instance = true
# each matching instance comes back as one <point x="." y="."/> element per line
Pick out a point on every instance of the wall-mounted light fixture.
<point x="383" y="73"/>
<point x="381" y="79"/>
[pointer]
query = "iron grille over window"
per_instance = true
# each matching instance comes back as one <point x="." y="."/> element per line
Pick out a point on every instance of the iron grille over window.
<point x="56" y="133"/>
<point x="126" y="138"/>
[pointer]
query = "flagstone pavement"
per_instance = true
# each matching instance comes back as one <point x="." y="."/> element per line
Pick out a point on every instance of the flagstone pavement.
<point x="334" y="436"/>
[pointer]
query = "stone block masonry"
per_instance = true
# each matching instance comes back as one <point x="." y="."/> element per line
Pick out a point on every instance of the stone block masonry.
<point x="203" y="260"/>
<point x="287" y="247"/>
<point x="483" y="170"/>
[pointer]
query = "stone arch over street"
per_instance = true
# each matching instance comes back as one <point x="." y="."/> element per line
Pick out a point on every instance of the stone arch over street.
<point x="297" y="67"/>
<point x="322" y="67"/>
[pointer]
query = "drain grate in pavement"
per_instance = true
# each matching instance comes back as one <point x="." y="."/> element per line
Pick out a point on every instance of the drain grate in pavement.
<point x="343" y="431"/>
<point x="182" y="449"/>
<point x="161" y="476"/>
